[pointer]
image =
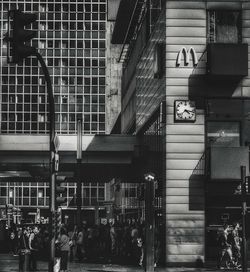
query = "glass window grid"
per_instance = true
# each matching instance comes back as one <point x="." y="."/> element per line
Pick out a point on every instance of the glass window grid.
<point x="27" y="194"/>
<point x="31" y="117"/>
<point x="129" y="194"/>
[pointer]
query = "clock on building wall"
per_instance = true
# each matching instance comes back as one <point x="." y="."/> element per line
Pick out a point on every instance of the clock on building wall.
<point x="184" y="111"/>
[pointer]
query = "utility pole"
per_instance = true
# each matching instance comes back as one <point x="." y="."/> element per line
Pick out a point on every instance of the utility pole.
<point x="78" y="171"/>
<point x="244" y="213"/>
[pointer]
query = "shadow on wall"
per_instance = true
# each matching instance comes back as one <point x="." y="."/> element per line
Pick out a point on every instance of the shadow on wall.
<point x="201" y="85"/>
<point x="197" y="186"/>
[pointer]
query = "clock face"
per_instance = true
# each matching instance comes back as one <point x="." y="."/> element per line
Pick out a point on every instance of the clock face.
<point x="185" y="110"/>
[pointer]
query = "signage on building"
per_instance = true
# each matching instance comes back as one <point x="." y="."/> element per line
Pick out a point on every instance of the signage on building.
<point x="187" y="54"/>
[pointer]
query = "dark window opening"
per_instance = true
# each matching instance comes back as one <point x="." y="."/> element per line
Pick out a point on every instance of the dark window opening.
<point x="224" y="26"/>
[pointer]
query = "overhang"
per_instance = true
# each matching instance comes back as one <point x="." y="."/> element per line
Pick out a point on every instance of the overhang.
<point x="126" y="19"/>
<point x="90" y="143"/>
<point x="103" y="157"/>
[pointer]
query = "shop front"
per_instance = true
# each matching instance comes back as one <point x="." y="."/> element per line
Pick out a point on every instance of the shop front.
<point x="227" y="149"/>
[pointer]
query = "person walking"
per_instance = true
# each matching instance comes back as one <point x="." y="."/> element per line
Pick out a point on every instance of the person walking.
<point x="73" y="238"/>
<point x="33" y="246"/>
<point x="225" y="250"/>
<point x="80" y="244"/>
<point x="22" y="249"/>
<point x="235" y="241"/>
<point x="113" y="238"/>
<point x="63" y="241"/>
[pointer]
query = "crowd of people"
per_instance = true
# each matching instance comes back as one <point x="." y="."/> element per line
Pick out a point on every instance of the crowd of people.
<point x="29" y="240"/>
<point x="113" y="242"/>
<point x="229" y="243"/>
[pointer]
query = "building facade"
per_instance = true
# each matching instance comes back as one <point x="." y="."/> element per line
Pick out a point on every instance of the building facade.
<point x="71" y="37"/>
<point x="185" y="94"/>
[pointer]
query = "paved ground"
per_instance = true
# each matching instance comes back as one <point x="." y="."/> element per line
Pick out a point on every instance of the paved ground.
<point x="9" y="263"/>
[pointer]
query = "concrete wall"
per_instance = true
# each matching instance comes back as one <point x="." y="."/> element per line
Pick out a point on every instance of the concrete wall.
<point x="113" y="76"/>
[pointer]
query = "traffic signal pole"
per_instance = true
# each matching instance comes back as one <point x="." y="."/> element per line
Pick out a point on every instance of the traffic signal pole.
<point x="18" y="50"/>
<point x="244" y="214"/>
<point x="52" y="159"/>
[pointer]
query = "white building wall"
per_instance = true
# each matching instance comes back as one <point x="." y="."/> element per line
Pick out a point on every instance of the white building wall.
<point x="185" y="219"/>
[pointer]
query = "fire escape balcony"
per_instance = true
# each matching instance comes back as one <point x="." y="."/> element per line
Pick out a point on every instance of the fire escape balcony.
<point x="227" y="59"/>
<point x="223" y="186"/>
<point x="225" y="162"/>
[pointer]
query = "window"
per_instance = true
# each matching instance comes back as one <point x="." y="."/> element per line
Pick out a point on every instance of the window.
<point x="224" y="134"/>
<point x="224" y="26"/>
<point x="64" y="99"/>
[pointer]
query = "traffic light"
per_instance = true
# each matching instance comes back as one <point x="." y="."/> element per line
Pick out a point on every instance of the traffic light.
<point x="18" y="35"/>
<point x="59" y="190"/>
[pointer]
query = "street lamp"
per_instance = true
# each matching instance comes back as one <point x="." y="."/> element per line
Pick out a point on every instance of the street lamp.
<point x="244" y="215"/>
<point x="149" y="220"/>
<point x="78" y="171"/>
<point x="149" y="176"/>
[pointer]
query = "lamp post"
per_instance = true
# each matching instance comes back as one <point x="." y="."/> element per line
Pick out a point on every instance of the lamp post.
<point x="149" y="220"/>
<point x="244" y="213"/>
<point x="79" y="162"/>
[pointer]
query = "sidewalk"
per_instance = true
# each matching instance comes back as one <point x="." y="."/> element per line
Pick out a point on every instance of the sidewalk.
<point x="9" y="263"/>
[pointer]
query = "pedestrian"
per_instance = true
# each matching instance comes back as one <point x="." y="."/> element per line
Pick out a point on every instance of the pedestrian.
<point x="63" y="241"/>
<point x="33" y="246"/>
<point x="80" y="244"/>
<point x="235" y="241"/>
<point x="140" y="250"/>
<point x="113" y="238"/>
<point x="225" y="250"/>
<point x="73" y="238"/>
<point x="13" y="241"/>
<point x="134" y="243"/>
<point x="107" y="243"/>
<point x="22" y="249"/>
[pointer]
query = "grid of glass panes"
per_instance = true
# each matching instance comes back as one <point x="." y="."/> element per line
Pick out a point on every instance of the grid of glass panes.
<point x="129" y="195"/>
<point x="72" y="39"/>
<point x="25" y="194"/>
<point x="36" y="194"/>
